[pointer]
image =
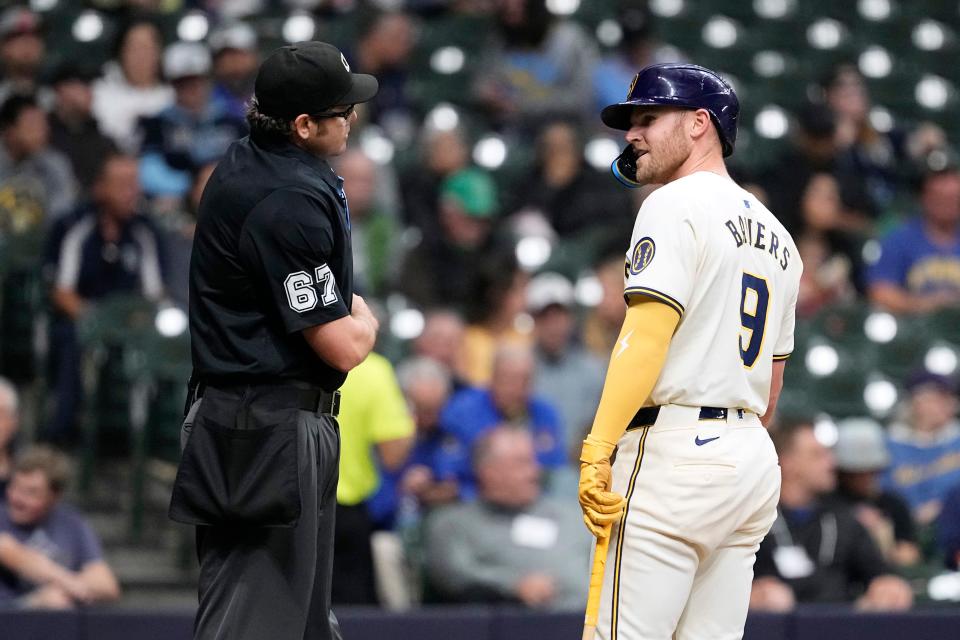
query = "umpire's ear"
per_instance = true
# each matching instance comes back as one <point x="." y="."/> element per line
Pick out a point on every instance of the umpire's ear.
<point x="302" y="127"/>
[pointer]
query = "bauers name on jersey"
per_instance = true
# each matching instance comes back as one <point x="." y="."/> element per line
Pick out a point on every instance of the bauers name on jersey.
<point x="748" y="232"/>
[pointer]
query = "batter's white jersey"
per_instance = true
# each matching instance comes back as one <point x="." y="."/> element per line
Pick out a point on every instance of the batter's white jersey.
<point x="713" y="252"/>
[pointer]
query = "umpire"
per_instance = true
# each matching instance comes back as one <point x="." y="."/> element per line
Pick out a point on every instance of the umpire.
<point x="275" y="326"/>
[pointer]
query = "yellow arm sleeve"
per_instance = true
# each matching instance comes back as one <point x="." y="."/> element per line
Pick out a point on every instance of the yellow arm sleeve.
<point x="635" y="365"/>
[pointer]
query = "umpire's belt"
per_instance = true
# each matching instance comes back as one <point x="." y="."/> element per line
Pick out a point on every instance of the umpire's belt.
<point x="302" y="396"/>
<point x="648" y="415"/>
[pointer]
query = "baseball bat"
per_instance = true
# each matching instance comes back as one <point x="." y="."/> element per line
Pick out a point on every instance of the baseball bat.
<point x="596" y="584"/>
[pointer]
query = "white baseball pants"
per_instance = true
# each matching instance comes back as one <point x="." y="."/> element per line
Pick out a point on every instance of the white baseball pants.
<point x="701" y="495"/>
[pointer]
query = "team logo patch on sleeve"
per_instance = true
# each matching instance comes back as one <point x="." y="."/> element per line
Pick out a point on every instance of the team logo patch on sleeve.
<point x="643" y="253"/>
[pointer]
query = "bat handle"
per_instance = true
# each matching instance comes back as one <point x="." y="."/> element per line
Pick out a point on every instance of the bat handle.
<point x="596" y="584"/>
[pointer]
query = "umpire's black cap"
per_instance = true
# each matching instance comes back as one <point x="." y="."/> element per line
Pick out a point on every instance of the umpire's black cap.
<point x="309" y="77"/>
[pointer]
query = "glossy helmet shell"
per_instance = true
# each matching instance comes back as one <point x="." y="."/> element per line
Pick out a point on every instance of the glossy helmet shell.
<point x="686" y="86"/>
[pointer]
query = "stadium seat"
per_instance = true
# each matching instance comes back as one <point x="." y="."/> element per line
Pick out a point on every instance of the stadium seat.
<point x="905" y="352"/>
<point x="160" y="393"/>
<point x="106" y="334"/>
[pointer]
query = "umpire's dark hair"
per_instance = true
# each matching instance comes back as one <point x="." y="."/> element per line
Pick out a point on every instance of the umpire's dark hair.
<point x="267" y="128"/>
<point x="12" y="108"/>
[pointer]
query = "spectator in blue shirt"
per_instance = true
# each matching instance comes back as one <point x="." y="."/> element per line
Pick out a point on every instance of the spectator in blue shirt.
<point x="509" y="400"/>
<point x="189" y="134"/>
<point x="49" y="555"/>
<point x="918" y="270"/>
<point x="925" y="449"/>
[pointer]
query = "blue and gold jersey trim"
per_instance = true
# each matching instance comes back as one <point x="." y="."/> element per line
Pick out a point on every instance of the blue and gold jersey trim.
<point x="659" y="296"/>
<point x="781" y="356"/>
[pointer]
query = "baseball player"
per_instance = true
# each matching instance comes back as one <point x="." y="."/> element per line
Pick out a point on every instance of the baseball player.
<point x="275" y="326"/>
<point x="711" y="281"/>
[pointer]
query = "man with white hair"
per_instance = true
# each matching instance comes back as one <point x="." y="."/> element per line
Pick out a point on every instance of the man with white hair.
<point x="512" y="544"/>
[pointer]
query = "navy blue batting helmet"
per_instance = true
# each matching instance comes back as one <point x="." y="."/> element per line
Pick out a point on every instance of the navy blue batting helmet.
<point x="687" y="86"/>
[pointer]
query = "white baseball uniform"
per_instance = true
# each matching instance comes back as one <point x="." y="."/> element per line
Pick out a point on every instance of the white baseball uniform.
<point x="701" y="485"/>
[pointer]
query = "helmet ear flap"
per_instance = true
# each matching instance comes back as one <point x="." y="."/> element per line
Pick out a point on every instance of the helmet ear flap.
<point x="624" y="168"/>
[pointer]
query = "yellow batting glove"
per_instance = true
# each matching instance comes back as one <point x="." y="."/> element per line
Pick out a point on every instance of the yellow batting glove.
<point x="601" y="507"/>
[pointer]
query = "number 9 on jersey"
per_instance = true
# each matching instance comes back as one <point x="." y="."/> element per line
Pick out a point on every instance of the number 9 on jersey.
<point x="754" y="298"/>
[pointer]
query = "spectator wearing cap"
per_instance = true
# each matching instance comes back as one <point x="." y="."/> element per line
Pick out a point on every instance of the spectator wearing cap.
<point x="925" y="446"/>
<point x="567" y="375"/>
<point x="467" y="207"/>
<point x="22" y="52"/>
<point x="190" y="133"/>
<point x="131" y="86"/>
<point x="36" y="181"/>
<point x="73" y="129"/>
<point x="817" y="552"/>
<point x="918" y="270"/>
<point x="235" y="63"/>
<point x="508" y="399"/>
<point x="861" y="456"/>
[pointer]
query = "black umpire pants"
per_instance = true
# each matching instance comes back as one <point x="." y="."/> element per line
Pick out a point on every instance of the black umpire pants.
<point x="272" y="583"/>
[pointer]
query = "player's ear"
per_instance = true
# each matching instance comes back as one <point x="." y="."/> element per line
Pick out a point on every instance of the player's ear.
<point x="700" y="123"/>
<point x="301" y="126"/>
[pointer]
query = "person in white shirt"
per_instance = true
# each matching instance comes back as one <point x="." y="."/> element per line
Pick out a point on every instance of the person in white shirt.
<point x="131" y="86"/>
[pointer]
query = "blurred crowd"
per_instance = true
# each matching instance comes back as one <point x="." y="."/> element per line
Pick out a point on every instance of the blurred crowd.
<point x="500" y="288"/>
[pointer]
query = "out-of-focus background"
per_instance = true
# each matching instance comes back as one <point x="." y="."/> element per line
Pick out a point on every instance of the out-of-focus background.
<point x="490" y="238"/>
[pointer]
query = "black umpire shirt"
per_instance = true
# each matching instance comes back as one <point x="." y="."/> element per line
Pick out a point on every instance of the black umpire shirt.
<point x="271" y="257"/>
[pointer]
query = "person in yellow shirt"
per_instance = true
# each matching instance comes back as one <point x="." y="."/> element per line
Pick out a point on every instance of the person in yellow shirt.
<point x="376" y="428"/>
